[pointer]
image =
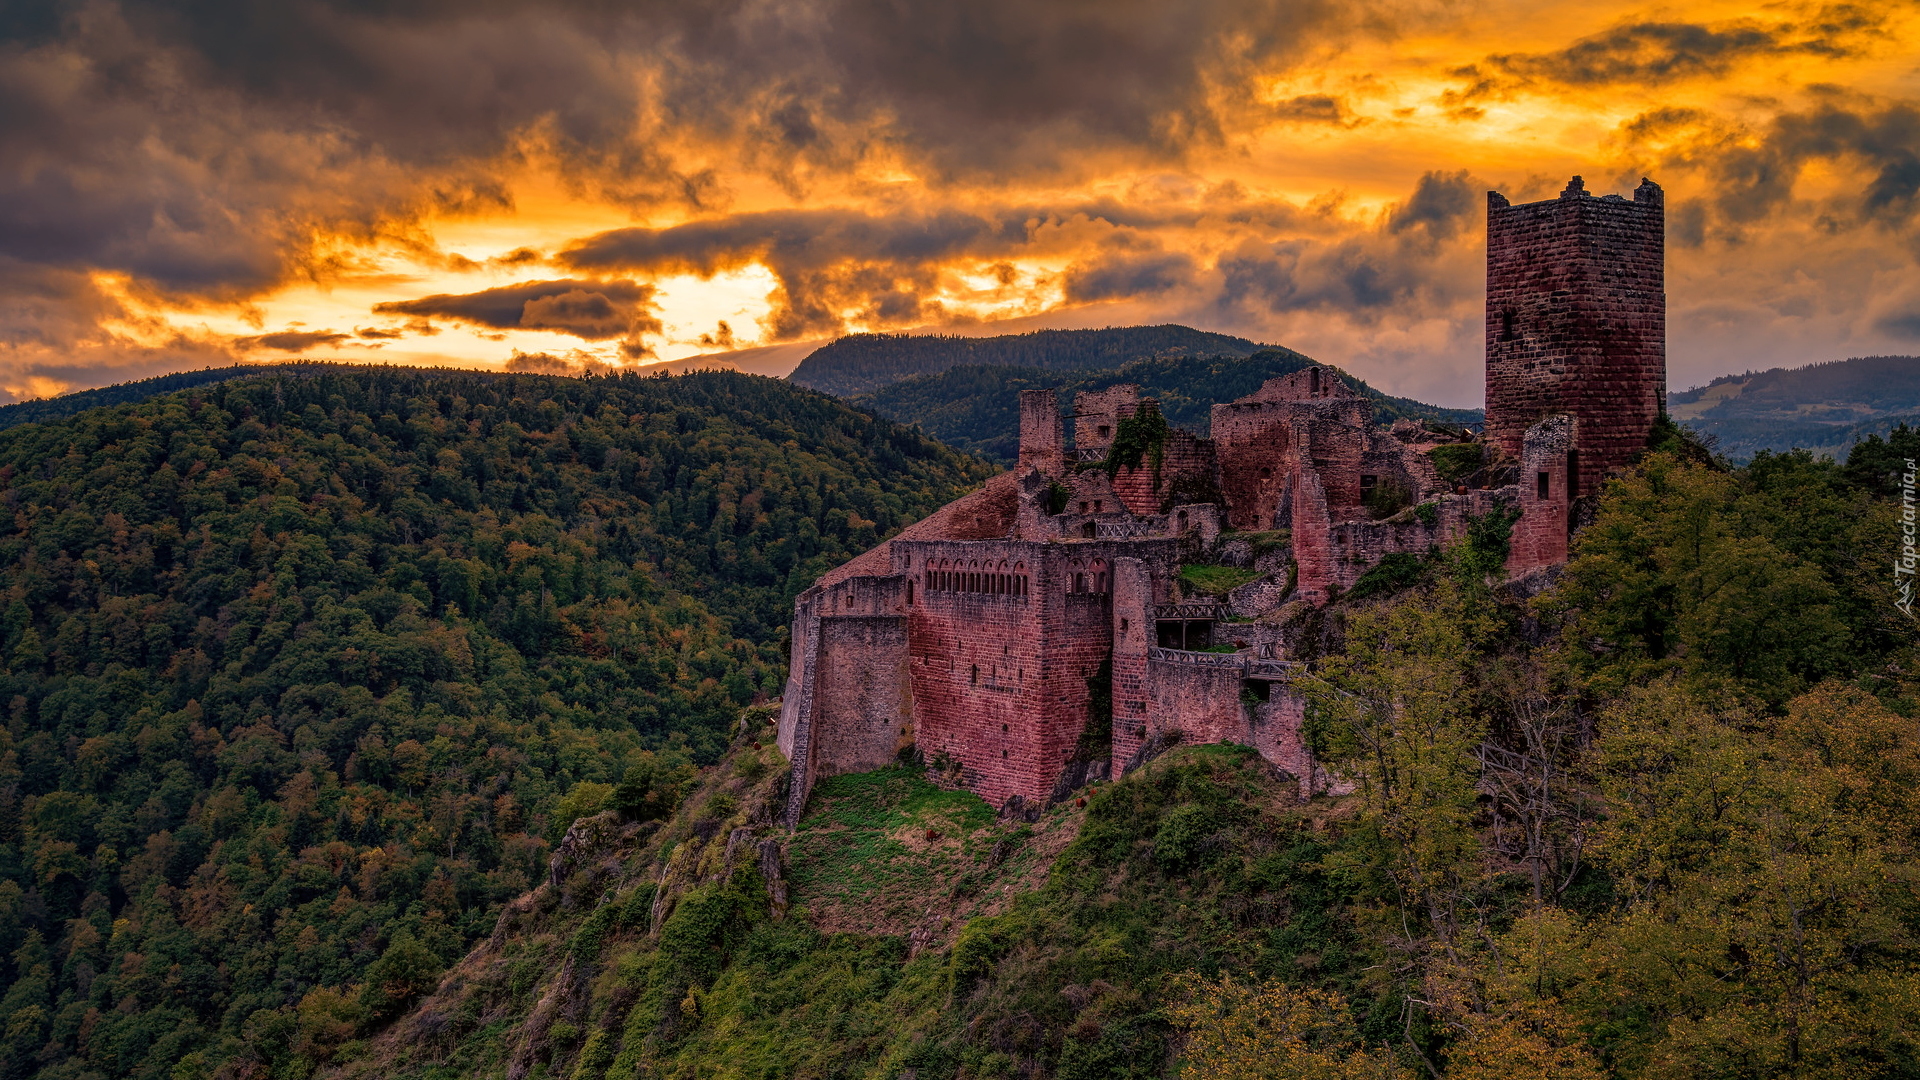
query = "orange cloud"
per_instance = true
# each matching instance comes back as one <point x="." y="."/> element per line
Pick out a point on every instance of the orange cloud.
<point x="727" y="173"/>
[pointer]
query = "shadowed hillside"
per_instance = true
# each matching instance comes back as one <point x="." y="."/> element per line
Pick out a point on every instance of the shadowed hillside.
<point x="865" y="362"/>
<point x="305" y="673"/>
<point x="1825" y="408"/>
<point x="977" y="408"/>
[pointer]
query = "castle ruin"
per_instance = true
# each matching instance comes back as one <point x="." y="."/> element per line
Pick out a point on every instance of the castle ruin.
<point x="1050" y="628"/>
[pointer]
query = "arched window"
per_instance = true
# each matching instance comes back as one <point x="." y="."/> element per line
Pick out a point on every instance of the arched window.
<point x="1099" y="576"/>
<point x="1019" y="579"/>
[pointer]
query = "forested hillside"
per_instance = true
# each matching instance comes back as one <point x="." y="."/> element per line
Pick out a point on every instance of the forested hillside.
<point x="861" y="363"/>
<point x="41" y="411"/>
<point x="1658" y="821"/>
<point x="977" y="407"/>
<point x="299" y="669"/>
<point x="1826" y="408"/>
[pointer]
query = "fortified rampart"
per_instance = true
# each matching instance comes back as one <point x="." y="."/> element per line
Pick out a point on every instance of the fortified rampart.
<point x="1043" y="631"/>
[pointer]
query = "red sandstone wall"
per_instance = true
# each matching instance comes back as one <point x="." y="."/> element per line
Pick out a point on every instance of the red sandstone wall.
<point x="1000" y="681"/>
<point x="1145" y="489"/>
<point x="1097" y="409"/>
<point x="863" y="714"/>
<point x="1202" y="702"/>
<point x="1042" y="434"/>
<point x="1540" y="536"/>
<point x="1576" y="321"/>
<point x="1313" y="557"/>
<point x="1133" y="599"/>
<point x="1253" y="442"/>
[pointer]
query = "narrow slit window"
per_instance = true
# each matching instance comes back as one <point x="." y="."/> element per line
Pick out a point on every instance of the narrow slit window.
<point x="1543" y="484"/>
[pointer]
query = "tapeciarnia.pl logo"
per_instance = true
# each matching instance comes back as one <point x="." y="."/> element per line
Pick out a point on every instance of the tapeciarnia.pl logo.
<point x="1909" y="560"/>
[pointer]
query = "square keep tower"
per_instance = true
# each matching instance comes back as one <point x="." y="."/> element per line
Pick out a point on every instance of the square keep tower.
<point x="1577" y="322"/>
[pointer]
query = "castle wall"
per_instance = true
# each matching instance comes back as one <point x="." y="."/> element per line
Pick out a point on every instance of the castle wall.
<point x="1133" y="598"/>
<point x="1097" y="414"/>
<point x="1253" y="442"/>
<point x="999" y="678"/>
<point x="1185" y="474"/>
<point x="863" y="712"/>
<point x="1316" y="575"/>
<point x="1042" y="433"/>
<point x="1576" y="320"/>
<point x="1540" y="536"/>
<point x="1200" y="700"/>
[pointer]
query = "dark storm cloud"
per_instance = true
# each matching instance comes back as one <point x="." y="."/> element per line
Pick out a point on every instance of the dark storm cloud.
<point x="292" y="341"/>
<point x="1312" y="108"/>
<point x="593" y="310"/>
<point x="213" y="149"/>
<point x="1442" y="205"/>
<point x="827" y="261"/>
<point x="1754" y="171"/>
<point x="1418" y="262"/>
<point x="1127" y="274"/>
<point x="1653" y="53"/>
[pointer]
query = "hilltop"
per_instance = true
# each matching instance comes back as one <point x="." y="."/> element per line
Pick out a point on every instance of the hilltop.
<point x="1542" y="869"/>
<point x="304" y="668"/>
<point x="862" y="363"/>
<point x="977" y="407"/>
<point x="1825" y="408"/>
<point x="57" y="408"/>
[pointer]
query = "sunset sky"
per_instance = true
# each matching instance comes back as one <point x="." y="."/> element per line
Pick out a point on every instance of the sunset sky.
<point x="464" y="181"/>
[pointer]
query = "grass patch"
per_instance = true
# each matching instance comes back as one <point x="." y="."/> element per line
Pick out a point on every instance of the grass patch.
<point x="1456" y="461"/>
<point x="1215" y="580"/>
<point x="874" y="844"/>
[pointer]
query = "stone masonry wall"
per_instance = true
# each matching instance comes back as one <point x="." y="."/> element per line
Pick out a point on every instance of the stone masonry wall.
<point x="1097" y="414"/>
<point x="863" y="712"/>
<point x="1042" y="434"/>
<point x="1201" y="701"/>
<point x="1186" y="460"/>
<point x="1540" y="536"/>
<point x="1000" y="679"/>
<point x="1133" y="599"/>
<point x="1576" y="320"/>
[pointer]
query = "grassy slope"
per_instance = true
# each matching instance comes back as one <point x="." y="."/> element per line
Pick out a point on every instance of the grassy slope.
<point x="977" y="408"/>
<point x="992" y="949"/>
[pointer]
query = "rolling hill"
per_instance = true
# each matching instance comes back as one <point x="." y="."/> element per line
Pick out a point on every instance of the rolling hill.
<point x="863" y="363"/>
<point x="977" y="407"/>
<point x="1825" y="408"/>
<point x="301" y="669"/>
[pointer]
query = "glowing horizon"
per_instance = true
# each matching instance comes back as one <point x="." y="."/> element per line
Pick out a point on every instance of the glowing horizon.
<point x="657" y="187"/>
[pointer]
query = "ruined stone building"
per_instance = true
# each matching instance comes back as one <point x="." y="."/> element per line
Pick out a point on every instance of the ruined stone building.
<point x="1044" y="629"/>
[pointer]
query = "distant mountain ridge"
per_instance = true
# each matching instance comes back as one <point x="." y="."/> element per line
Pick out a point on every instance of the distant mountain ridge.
<point x="1824" y="407"/>
<point x="863" y="363"/>
<point x="976" y="407"/>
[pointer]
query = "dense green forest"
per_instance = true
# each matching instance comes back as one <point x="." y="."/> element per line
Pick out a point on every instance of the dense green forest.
<point x="977" y="407"/>
<point x="299" y="670"/>
<point x="1657" y="821"/>
<point x="862" y="363"/>
<point x="55" y="408"/>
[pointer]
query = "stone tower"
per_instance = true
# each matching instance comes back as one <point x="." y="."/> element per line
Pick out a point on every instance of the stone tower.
<point x="1577" y="322"/>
